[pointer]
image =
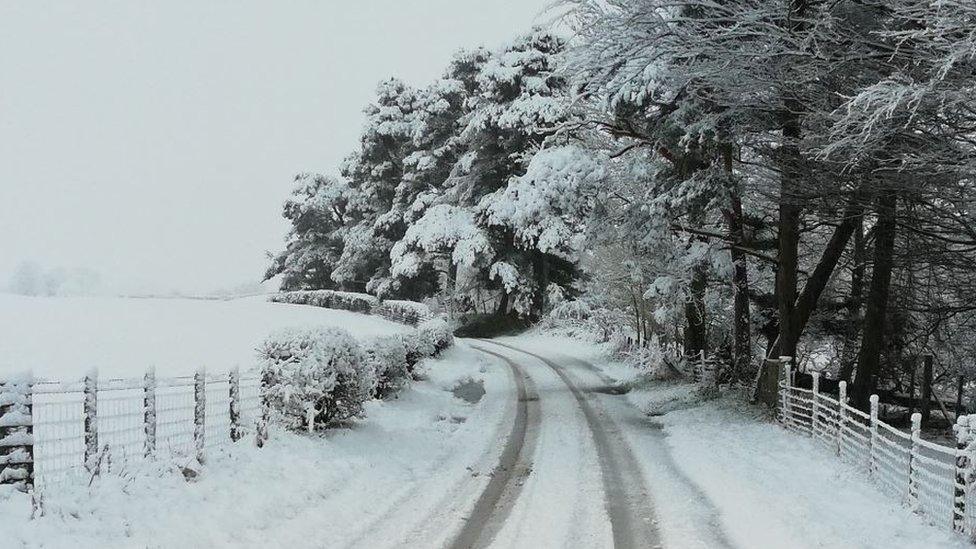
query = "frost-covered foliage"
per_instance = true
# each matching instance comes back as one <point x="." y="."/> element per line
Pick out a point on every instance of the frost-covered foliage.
<point x="582" y="318"/>
<point x="410" y="313"/>
<point x="438" y="332"/>
<point x="316" y="210"/>
<point x="546" y="206"/>
<point x="443" y="199"/>
<point x="388" y="357"/>
<point x="330" y="299"/>
<point x="322" y="372"/>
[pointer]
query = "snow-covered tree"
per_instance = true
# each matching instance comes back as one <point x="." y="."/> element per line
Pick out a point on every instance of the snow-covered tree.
<point x="317" y="212"/>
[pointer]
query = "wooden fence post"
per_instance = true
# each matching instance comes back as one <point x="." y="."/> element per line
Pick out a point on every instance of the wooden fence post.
<point x="149" y="410"/>
<point x="236" y="429"/>
<point x="91" y="421"/>
<point x="702" y="366"/>
<point x="17" y="432"/>
<point x="841" y="415"/>
<point x="962" y="429"/>
<point x="786" y="390"/>
<point x="199" y="411"/>
<point x="815" y="403"/>
<point x="873" y="455"/>
<point x="913" y="453"/>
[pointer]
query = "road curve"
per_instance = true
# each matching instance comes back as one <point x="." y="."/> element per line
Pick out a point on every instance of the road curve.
<point x="496" y="501"/>
<point x="628" y="501"/>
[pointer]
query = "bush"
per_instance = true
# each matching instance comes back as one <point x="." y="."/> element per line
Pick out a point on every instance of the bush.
<point x="388" y="357"/>
<point x="404" y="312"/>
<point x="438" y="332"/>
<point x="330" y="299"/>
<point x="323" y="369"/>
<point x="417" y="348"/>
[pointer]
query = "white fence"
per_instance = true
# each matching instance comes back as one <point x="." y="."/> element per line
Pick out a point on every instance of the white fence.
<point x="111" y="425"/>
<point x="935" y="481"/>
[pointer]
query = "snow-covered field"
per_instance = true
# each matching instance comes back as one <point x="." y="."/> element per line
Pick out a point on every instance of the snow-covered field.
<point x="62" y="338"/>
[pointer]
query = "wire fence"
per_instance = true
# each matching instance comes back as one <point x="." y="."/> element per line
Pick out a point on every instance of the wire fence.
<point x="52" y="434"/>
<point x="933" y="480"/>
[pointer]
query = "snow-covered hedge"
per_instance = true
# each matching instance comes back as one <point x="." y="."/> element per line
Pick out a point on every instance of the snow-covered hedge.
<point x="322" y="371"/>
<point x="330" y="299"/>
<point x="438" y="332"/>
<point x="404" y="312"/>
<point x="388" y="357"/>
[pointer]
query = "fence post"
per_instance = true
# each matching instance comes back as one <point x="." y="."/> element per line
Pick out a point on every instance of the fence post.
<point x="236" y="430"/>
<point x="962" y="429"/>
<point x="702" y="366"/>
<point x="912" y="468"/>
<point x="872" y="456"/>
<point x="91" y="421"/>
<point x="841" y="414"/>
<point x="149" y="410"/>
<point x="199" y="411"/>
<point x="17" y="432"/>
<point x="787" y="390"/>
<point x="815" y="405"/>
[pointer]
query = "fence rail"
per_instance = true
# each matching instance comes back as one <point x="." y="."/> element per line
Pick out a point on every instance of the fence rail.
<point x="933" y="480"/>
<point x="67" y="432"/>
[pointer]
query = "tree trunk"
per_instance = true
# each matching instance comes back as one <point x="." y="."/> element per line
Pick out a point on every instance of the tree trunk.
<point x="849" y="356"/>
<point x="541" y="272"/>
<point x="872" y="338"/>
<point x="806" y="303"/>
<point x="503" y="303"/>
<point x="741" y="330"/>
<point x="696" y="337"/>
<point x="788" y="241"/>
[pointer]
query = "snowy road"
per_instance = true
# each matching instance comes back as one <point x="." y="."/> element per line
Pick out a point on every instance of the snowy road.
<point x="586" y="486"/>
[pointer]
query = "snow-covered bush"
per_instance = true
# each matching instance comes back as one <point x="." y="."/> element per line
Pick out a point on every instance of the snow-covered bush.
<point x="388" y="357"/>
<point x="578" y="318"/>
<point x="318" y="370"/>
<point x="438" y="332"/>
<point x="404" y="312"/>
<point x="418" y="347"/>
<point x="330" y="299"/>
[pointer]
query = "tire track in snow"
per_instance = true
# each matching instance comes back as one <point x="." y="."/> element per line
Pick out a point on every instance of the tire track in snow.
<point x="628" y="501"/>
<point x="499" y="496"/>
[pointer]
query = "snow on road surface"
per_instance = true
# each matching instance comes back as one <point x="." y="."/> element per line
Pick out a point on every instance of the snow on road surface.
<point x="717" y="468"/>
<point x="64" y="338"/>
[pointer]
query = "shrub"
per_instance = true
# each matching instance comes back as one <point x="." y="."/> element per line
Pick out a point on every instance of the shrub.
<point x="417" y="348"/>
<point x="388" y="357"/>
<point x="323" y="369"/>
<point x="438" y="332"/>
<point x="329" y="299"/>
<point x="404" y="312"/>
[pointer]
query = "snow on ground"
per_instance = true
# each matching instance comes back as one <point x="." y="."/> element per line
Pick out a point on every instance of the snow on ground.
<point x="405" y="476"/>
<point x="767" y="486"/>
<point x="63" y="338"/>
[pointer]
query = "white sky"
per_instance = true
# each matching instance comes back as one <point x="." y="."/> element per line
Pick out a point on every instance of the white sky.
<point x="155" y="141"/>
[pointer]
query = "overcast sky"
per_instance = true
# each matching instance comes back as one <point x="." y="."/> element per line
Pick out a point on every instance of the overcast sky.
<point x="155" y="141"/>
